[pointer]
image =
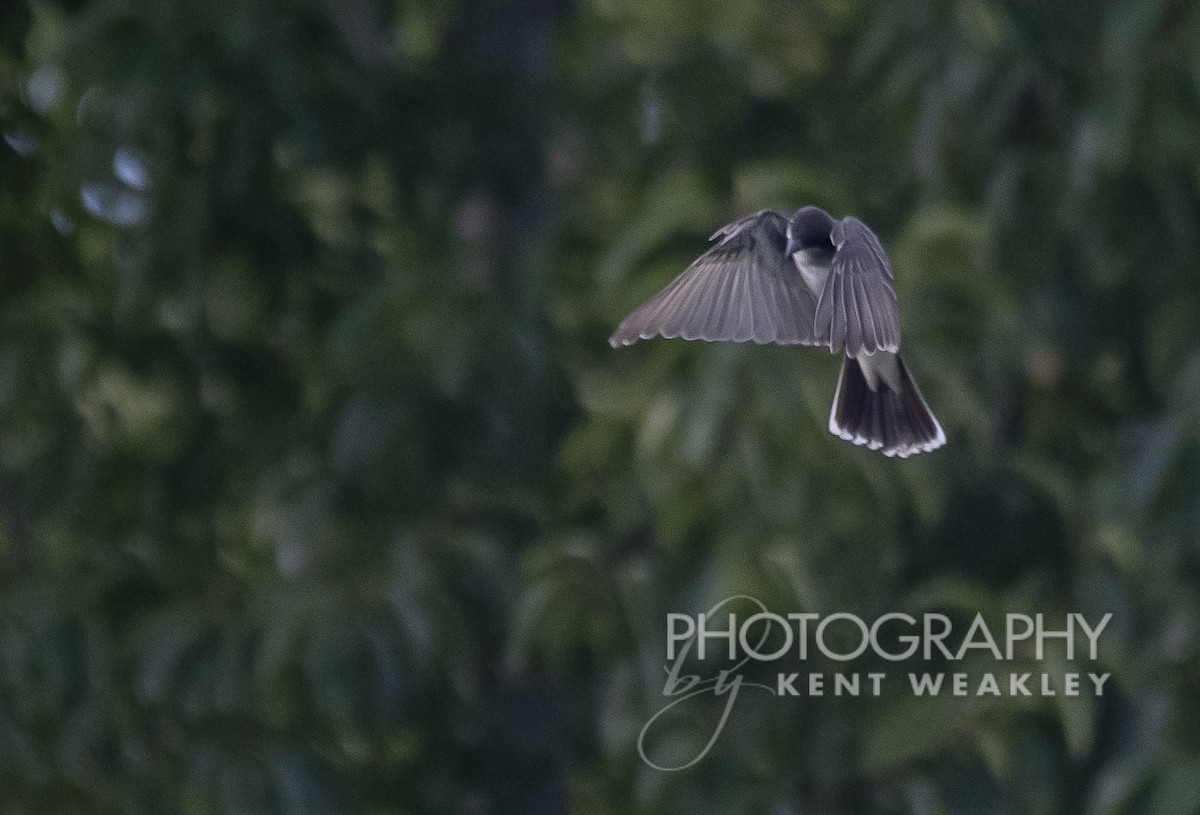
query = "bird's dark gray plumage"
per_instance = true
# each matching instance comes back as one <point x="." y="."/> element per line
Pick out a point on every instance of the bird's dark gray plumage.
<point x="742" y="289"/>
<point x="807" y="280"/>
<point x="857" y="310"/>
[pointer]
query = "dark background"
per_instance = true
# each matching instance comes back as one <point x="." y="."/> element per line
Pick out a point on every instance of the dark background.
<point x="322" y="491"/>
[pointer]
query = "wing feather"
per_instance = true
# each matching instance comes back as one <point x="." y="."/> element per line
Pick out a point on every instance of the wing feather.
<point x="856" y="312"/>
<point x="742" y="289"/>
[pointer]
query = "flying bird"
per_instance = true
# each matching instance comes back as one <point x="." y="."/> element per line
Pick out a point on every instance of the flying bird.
<point x="804" y="280"/>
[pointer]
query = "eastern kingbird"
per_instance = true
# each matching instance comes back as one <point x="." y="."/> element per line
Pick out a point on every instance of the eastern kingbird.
<point x="810" y="280"/>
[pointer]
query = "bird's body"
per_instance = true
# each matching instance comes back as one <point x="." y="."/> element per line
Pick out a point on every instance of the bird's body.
<point x="807" y="280"/>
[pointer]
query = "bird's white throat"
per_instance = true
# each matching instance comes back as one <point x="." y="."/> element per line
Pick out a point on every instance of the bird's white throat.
<point x="814" y="267"/>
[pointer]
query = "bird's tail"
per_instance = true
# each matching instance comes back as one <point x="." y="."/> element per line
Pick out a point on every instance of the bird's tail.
<point x="883" y="408"/>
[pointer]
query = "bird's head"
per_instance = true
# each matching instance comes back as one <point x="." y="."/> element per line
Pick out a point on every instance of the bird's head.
<point x="809" y="228"/>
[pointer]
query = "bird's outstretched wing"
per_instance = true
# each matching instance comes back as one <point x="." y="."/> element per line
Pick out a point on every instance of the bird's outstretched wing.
<point x="856" y="312"/>
<point x="743" y="288"/>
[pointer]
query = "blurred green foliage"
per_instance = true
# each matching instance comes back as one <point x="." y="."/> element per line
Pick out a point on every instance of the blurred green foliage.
<point x="321" y="491"/>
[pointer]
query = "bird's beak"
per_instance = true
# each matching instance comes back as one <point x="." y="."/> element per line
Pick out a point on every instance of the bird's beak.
<point x="792" y="247"/>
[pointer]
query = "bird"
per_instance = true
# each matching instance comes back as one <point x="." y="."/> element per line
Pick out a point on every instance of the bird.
<point x="811" y="280"/>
